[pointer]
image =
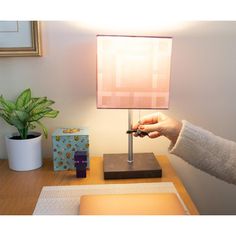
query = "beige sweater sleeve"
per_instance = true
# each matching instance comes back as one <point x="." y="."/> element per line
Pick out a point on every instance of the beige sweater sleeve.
<point x="206" y="151"/>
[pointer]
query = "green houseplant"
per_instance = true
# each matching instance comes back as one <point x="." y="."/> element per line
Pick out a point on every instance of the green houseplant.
<point x="25" y="113"/>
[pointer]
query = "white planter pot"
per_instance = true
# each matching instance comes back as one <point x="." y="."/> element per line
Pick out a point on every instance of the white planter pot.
<point x="24" y="154"/>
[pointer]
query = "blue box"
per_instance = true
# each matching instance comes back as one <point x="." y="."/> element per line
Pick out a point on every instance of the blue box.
<point x="66" y="141"/>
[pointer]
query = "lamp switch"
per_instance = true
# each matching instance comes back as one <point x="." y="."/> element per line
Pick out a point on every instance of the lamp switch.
<point x="138" y="132"/>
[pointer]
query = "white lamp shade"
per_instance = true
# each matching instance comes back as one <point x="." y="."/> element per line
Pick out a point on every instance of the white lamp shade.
<point x="133" y="72"/>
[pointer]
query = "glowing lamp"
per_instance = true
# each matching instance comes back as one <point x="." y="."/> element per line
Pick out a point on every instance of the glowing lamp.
<point x="133" y="72"/>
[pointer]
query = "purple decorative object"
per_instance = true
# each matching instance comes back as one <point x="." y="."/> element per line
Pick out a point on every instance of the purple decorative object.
<point x="80" y="158"/>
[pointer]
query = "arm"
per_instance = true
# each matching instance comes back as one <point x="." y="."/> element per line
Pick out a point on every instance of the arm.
<point x="206" y="151"/>
<point x="198" y="147"/>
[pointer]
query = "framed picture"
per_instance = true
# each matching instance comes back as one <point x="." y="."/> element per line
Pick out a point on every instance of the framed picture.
<point x="20" y="38"/>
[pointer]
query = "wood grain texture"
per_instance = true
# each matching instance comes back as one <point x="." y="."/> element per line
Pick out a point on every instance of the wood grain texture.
<point x="19" y="191"/>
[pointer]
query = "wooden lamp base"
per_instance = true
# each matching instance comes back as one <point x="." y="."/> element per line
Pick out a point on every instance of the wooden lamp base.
<point x="145" y="165"/>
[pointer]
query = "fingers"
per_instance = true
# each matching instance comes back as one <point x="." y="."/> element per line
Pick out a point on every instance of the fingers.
<point x="153" y="130"/>
<point x="150" y="128"/>
<point x="154" y="134"/>
<point x="135" y="126"/>
<point x="139" y="135"/>
<point x="148" y="119"/>
<point x="158" y="124"/>
<point x="151" y="124"/>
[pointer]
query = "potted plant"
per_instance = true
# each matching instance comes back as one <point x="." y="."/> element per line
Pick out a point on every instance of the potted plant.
<point x="24" y="147"/>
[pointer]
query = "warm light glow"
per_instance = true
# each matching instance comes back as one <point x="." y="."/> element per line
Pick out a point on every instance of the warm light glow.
<point x="133" y="72"/>
<point x="116" y="24"/>
<point x="127" y="16"/>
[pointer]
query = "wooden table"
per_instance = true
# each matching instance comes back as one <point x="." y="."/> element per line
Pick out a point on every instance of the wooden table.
<point x="19" y="191"/>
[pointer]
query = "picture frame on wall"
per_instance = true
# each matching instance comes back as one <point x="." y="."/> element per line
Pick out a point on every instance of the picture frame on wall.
<point x="20" y="38"/>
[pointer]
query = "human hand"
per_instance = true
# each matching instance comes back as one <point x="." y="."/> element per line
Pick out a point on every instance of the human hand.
<point x="158" y="124"/>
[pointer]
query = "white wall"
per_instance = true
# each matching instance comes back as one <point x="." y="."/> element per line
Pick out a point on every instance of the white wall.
<point x="202" y="91"/>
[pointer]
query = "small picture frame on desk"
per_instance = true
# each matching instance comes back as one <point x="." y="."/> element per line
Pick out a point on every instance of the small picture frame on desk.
<point x="20" y="39"/>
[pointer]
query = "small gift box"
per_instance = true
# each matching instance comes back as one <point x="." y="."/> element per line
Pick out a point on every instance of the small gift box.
<point x="66" y="142"/>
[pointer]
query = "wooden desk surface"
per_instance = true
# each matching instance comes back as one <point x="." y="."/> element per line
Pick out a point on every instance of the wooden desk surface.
<point x="19" y="191"/>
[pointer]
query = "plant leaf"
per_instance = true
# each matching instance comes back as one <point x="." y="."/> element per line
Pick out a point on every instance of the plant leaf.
<point x="52" y="114"/>
<point x="14" y="120"/>
<point x="40" y="115"/>
<point x="6" y="118"/>
<point x="45" y="131"/>
<point x="22" y="115"/>
<point x="27" y="105"/>
<point x="7" y="105"/>
<point x="35" y="102"/>
<point x="41" y="106"/>
<point x="23" y="98"/>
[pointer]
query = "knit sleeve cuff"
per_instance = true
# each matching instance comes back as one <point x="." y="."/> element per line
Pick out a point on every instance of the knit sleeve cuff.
<point x="188" y="133"/>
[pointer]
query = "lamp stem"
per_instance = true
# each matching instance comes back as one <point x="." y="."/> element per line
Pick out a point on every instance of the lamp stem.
<point x="130" y="137"/>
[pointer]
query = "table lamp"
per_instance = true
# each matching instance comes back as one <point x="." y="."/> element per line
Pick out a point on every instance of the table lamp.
<point x="133" y="72"/>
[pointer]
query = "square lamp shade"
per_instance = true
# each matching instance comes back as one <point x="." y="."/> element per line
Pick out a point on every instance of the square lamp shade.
<point x="133" y="72"/>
